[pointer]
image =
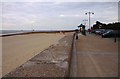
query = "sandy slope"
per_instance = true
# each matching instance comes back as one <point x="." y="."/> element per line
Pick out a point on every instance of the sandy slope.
<point x="18" y="49"/>
<point x="52" y="62"/>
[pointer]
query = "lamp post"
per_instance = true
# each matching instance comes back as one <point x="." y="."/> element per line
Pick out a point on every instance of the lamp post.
<point x="89" y="13"/>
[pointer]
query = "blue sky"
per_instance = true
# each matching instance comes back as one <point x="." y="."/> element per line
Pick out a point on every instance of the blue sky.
<point x="55" y="15"/>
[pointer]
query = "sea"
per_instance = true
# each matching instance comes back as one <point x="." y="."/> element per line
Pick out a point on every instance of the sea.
<point x="6" y="32"/>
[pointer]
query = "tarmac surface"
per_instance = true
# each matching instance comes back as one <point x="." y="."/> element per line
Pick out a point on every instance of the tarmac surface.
<point x="96" y="56"/>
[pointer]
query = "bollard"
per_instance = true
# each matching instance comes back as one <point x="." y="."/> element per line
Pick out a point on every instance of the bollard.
<point x="76" y="34"/>
<point x="115" y="38"/>
<point x="76" y="37"/>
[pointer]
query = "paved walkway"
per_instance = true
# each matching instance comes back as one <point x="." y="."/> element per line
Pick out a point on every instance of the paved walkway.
<point x="96" y="56"/>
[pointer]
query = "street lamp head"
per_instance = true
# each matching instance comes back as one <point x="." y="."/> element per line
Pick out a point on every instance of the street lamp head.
<point x="85" y="20"/>
<point x="92" y="13"/>
<point x="85" y="13"/>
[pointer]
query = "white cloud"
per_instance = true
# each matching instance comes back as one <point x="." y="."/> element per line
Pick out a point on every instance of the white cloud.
<point x="75" y="15"/>
<point x="62" y="15"/>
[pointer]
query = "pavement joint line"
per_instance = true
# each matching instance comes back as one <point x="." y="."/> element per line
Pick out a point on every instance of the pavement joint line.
<point x="96" y="66"/>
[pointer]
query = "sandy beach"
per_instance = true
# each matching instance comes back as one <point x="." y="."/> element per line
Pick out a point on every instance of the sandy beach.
<point x="18" y="49"/>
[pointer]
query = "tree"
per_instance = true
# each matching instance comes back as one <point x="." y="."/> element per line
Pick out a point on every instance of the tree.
<point x="112" y="26"/>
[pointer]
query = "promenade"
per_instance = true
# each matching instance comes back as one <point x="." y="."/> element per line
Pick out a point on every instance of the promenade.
<point x="96" y="56"/>
<point x="90" y="56"/>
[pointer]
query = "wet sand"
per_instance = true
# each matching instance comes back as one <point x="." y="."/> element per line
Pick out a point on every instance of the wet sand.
<point x="18" y="49"/>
